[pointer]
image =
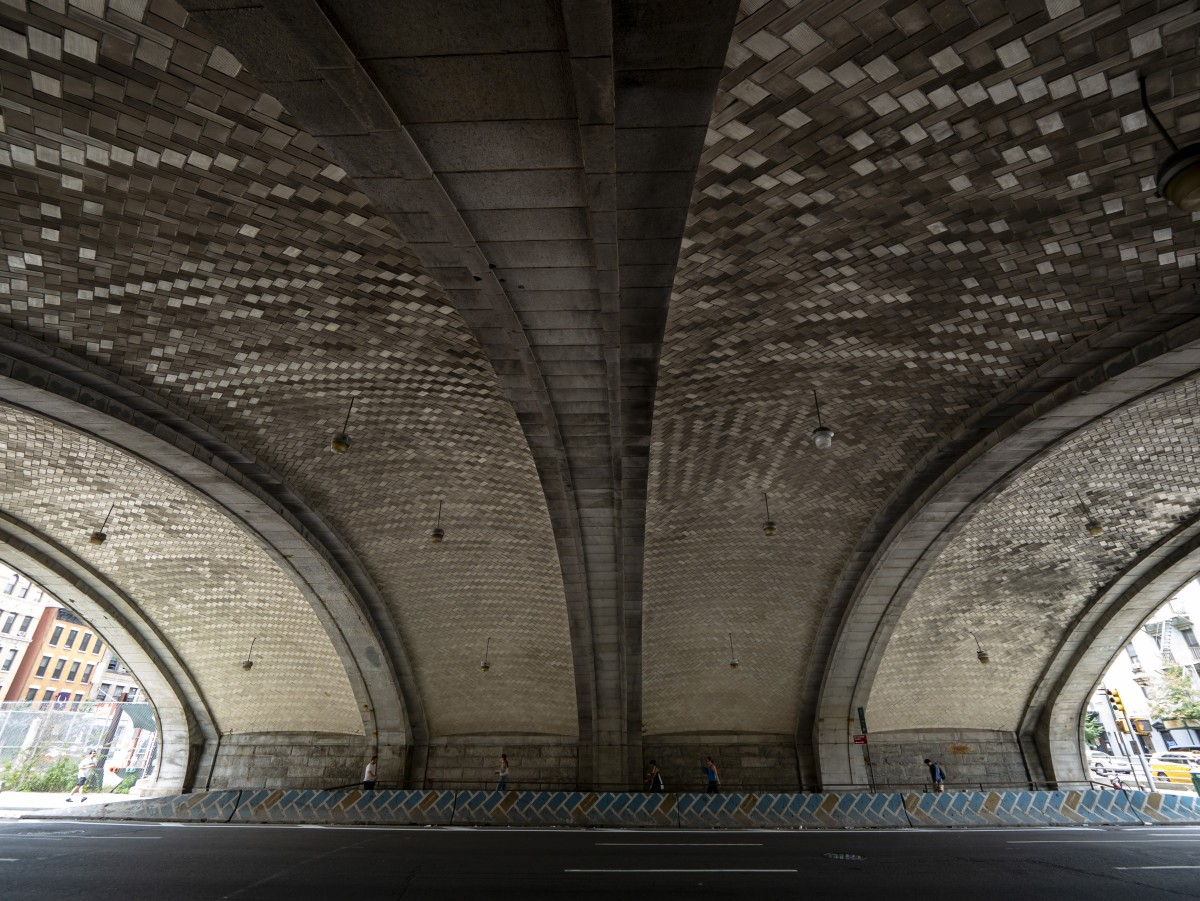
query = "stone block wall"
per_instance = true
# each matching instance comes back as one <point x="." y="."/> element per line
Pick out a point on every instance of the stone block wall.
<point x="288" y="760"/>
<point x="537" y="762"/>
<point x="749" y="762"/>
<point x="970" y="757"/>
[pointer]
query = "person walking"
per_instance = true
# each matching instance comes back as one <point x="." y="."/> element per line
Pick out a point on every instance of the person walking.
<point x="654" y="780"/>
<point x="936" y="775"/>
<point x="368" y="779"/>
<point x="86" y="766"/>
<point x="502" y="772"/>
<point x="710" y="773"/>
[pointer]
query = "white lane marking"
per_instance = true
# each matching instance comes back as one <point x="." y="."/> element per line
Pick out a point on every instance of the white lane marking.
<point x="59" y="838"/>
<point x="1171" y="867"/>
<point x="680" y="844"/>
<point x="1104" y="841"/>
<point x="9" y="859"/>
<point x="679" y="871"/>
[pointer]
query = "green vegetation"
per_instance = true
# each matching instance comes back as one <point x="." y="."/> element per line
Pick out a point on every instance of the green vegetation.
<point x="1175" y="696"/>
<point x="1093" y="730"/>
<point x="35" y="775"/>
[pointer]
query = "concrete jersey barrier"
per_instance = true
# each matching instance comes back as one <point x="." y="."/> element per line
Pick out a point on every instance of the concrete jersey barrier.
<point x="735" y="810"/>
<point x="614" y="809"/>
<point x="779" y="810"/>
<point x="354" y="806"/>
<point x="1088" y="807"/>
<point x="201" y="807"/>
<point x="1160" y="808"/>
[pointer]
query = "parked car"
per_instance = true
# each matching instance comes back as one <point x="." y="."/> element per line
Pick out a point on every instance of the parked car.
<point x="1174" y="769"/>
<point x="1103" y="763"/>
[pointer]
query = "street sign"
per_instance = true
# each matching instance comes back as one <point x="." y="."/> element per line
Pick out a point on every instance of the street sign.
<point x="860" y="739"/>
<point x="862" y="723"/>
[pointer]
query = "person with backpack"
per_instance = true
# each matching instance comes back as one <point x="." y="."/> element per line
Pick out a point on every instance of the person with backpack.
<point x="937" y="775"/>
<point x="654" y="779"/>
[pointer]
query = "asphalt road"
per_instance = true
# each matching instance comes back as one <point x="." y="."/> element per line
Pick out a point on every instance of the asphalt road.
<point x="99" y="861"/>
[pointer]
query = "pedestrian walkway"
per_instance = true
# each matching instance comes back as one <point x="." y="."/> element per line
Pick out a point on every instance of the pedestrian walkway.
<point x="16" y="804"/>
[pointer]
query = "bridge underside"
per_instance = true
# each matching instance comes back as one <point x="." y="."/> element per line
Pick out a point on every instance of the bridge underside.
<point x="572" y="278"/>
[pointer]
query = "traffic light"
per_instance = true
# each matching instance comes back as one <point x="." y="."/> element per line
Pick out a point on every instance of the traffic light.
<point x="1123" y="726"/>
<point x="1114" y="698"/>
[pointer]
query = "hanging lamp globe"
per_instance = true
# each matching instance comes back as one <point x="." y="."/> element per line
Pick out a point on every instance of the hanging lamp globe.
<point x="437" y="534"/>
<point x="340" y="443"/>
<point x="98" y="538"/>
<point x="822" y="437"/>
<point x="1094" y="529"/>
<point x="769" y="528"/>
<point x="983" y="656"/>
<point x="1179" y="178"/>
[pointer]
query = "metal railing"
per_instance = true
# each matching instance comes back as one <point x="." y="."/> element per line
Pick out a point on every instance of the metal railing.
<point x="743" y="787"/>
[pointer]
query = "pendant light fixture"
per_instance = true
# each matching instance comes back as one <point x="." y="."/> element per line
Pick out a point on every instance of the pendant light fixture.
<point x="484" y="665"/>
<point x="341" y="441"/>
<point x="248" y="663"/>
<point x="733" y="661"/>
<point x="980" y="653"/>
<point x="768" y="524"/>
<point x="1179" y="176"/>
<point x="822" y="435"/>
<point x="1094" y="528"/>
<point x="438" y="532"/>
<point x="100" y="536"/>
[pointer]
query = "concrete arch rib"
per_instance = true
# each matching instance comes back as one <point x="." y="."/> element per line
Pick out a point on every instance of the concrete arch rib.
<point x="1053" y="725"/>
<point x="187" y="733"/>
<point x="59" y="387"/>
<point x="1141" y="354"/>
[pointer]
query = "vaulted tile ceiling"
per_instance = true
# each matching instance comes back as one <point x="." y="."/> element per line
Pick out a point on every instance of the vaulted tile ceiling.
<point x="581" y="269"/>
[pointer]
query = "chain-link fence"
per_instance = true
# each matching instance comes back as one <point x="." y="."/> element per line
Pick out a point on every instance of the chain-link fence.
<point x="43" y="742"/>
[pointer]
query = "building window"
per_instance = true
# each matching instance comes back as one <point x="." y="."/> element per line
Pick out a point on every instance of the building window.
<point x="26" y="623"/>
<point x="8" y="661"/>
<point x="71" y="636"/>
<point x="31" y="695"/>
<point x="8" y="589"/>
<point x="87" y="637"/>
<point x="87" y="673"/>
<point x="1190" y="637"/>
<point x="55" y="636"/>
<point x="99" y="647"/>
<point x="48" y="694"/>
<point x="41" y="670"/>
<point x="102" y="694"/>
<point x="1133" y="657"/>
<point x="78" y="697"/>
<point x="132" y="693"/>
<point x="73" y="671"/>
<point x="8" y="623"/>
<point x="24" y="590"/>
<point x="58" y="668"/>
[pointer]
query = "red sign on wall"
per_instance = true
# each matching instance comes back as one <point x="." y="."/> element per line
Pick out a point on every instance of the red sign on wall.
<point x="860" y="739"/>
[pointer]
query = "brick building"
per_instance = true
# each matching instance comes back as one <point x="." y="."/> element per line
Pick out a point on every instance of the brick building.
<point x="61" y="661"/>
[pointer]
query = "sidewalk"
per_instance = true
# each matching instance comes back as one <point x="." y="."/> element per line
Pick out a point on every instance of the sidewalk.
<point x="14" y="804"/>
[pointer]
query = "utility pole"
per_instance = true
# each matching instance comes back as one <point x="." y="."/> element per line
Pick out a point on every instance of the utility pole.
<point x="1118" y="709"/>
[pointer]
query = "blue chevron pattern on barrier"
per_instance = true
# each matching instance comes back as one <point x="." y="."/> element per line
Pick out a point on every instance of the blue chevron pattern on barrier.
<point x="1020" y="808"/>
<point x="1161" y="807"/>
<point x="416" y="807"/>
<point x="201" y="807"/>
<point x="627" y="809"/>
<point x="824" y="810"/>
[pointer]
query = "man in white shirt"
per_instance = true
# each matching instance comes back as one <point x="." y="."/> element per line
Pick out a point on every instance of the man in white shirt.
<point x="81" y="776"/>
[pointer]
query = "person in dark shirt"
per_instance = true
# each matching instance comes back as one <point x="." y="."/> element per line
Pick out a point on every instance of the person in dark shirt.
<point x="936" y="775"/>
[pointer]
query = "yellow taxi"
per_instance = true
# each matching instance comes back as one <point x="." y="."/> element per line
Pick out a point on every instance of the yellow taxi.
<point x="1174" y="769"/>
